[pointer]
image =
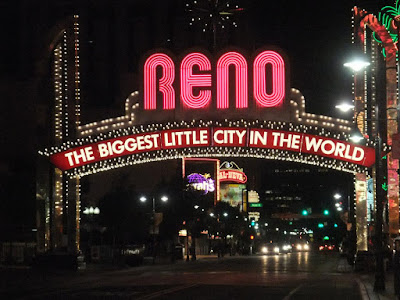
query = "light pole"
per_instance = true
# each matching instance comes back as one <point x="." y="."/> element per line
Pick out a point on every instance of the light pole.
<point x="91" y="212"/>
<point x="379" y="284"/>
<point x="143" y="199"/>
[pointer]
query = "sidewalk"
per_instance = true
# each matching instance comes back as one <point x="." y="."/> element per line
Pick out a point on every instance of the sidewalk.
<point x="366" y="283"/>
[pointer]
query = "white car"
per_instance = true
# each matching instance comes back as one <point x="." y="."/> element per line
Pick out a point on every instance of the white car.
<point x="301" y="246"/>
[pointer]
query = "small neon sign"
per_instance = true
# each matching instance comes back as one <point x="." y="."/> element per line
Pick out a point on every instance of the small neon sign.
<point x="201" y="182"/>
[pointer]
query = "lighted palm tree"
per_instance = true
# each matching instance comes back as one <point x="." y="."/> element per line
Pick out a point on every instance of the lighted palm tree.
<point x="389" y="16"/>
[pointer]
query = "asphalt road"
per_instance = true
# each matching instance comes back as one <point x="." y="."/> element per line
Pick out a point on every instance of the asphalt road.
<point x="288" y="276"/>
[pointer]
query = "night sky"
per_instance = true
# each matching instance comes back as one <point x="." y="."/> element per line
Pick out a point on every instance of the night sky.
<point x="316" y="36"/>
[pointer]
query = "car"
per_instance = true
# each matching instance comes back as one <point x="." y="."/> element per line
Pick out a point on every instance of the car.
<point x="326" y="247"/>
<point x="286" y="248"/>
<point x="270" y="248"/>
<point x="275" y="248"/>
<point x="302" y="246"/>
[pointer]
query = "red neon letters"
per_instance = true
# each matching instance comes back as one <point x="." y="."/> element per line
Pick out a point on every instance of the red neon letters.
<point x="190" y="80"/>
<point x="240" y="63"/>
<point x="196" y="80"/>
<point x="165" y="84"/>
<point x="278" y="79"/>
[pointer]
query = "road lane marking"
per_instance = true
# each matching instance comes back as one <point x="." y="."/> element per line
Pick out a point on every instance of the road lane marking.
<point x="362" y="288"/>
<point x="167" y="291"/>
<point x="292" y="292"/>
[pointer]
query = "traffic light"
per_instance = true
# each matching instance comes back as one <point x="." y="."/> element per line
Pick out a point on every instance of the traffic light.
<point x="304" y="212"/>
<point x="252" y="237"/>
<point x="335" y="225"/>
<point x="320" y="225"/>
<point x="326" y="212"/>
<point x="253" y="222"/>
<point x="326" y="238"/>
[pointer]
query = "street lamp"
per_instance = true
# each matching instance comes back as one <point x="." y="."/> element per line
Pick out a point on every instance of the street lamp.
<point x="337" y="196"/>
<point x="91" y="211"/>
<point x="357" y="64"/>
<point x="379" y="284"/>
<point x="356" y="137"/>
<point x="143" y="199"/>
<point x="345" y="107"/>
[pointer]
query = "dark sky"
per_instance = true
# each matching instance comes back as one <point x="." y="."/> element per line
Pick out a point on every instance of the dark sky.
<point x="317" y="39"/>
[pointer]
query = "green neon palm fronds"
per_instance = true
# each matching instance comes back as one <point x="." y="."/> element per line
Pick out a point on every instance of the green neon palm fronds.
<point x="386" y="16"/>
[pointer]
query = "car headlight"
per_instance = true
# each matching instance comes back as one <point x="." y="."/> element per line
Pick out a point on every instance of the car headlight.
<point x="264" y="250"/>
<point x="287" y="247"/>
<point x="276" y="249"/>
<point x="298" y="247"/>
<point x="306" y="247"/>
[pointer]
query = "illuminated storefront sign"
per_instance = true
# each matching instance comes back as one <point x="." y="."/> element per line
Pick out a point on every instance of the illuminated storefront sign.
<point x="201" y="182"/>
<point x="361" y="208"/>
<point x="232" y="176"/>
<point x="196" y="76"/>
<point x="214" y="137"/>
<point x="230" y="172"/>
<point x="232" y="193"/>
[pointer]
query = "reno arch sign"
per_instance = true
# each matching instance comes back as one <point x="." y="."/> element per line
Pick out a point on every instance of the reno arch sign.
<point x="196" y="85"/>
<point x="213" y="137"/>
<point x="195" y="106"/>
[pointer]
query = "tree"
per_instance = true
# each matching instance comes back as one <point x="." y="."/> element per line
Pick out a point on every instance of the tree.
<point x="121" y="214"/>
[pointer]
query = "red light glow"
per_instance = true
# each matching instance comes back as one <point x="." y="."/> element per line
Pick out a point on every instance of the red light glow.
<point x="240" y="63"/>
<point x="278" y="79"/>
<point x="196" y="80"/>
<point x="190" y="81"/>
<point x="165" y="82"/>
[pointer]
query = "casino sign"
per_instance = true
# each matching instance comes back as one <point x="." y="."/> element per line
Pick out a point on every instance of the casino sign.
<point x="193" y="106"/>
<point x="230" y="172"/>
<point x="233" y="105"/>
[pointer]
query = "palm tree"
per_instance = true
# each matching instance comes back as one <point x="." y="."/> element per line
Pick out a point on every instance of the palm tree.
<point x="389" y="16"/>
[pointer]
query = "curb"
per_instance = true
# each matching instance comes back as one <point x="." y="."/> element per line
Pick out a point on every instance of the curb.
<point x="367" y="289"/>
<point x="363" y="290"/>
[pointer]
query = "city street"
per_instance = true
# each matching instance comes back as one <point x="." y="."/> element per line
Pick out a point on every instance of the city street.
<point x="137" y="132"/>
<point x="286" y="276"/>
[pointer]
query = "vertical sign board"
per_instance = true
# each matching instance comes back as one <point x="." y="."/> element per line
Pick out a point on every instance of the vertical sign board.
<point x="370" y="199"/>
<point x="393" y="185"/>
<point x="393" y="199"/>
<point x="361" y="208"/>
<point x="396" y="146"/>
<point x="244" y="200"/>
<point x="253" y="197"/>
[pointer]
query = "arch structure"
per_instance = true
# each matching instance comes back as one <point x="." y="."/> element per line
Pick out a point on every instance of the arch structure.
<point x="268" y="123"/>
<point x="378" y="87"/>
<point x="310" y="139"/>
